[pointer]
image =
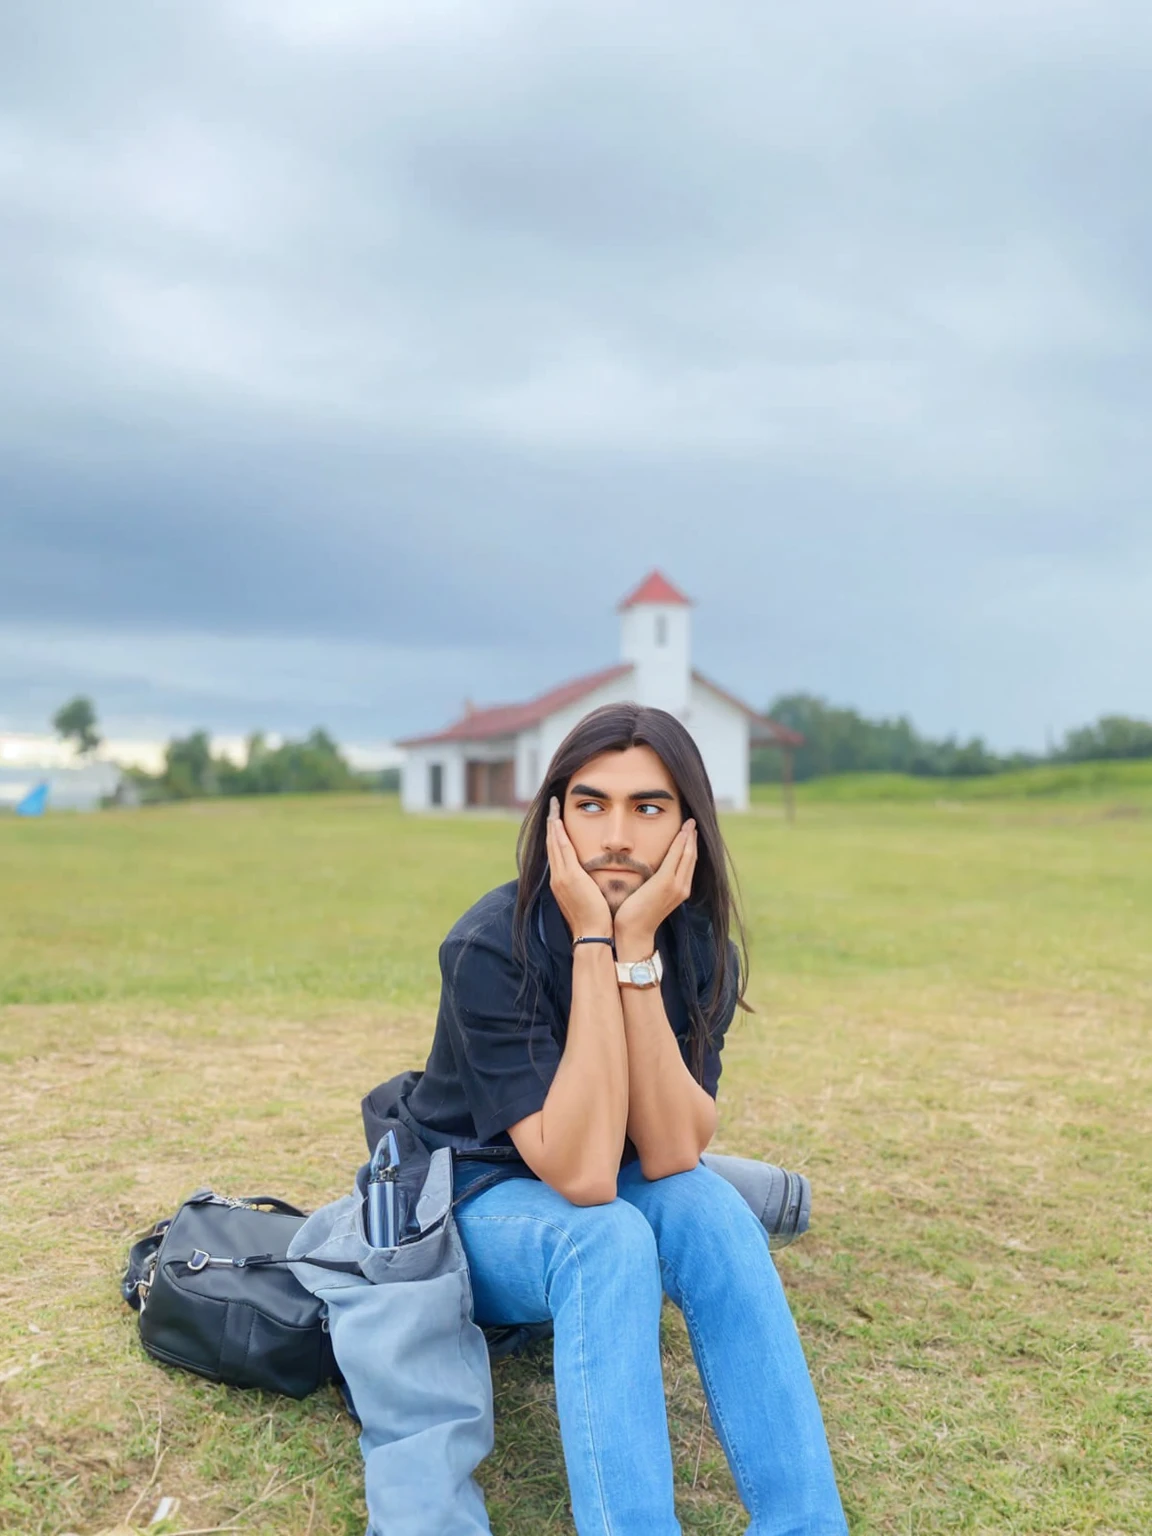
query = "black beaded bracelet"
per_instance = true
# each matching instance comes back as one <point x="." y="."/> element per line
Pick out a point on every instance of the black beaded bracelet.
<point x="594" y="938"/>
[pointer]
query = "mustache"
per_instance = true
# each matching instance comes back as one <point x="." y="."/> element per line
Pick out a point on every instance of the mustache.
<point x="619" y="861"/>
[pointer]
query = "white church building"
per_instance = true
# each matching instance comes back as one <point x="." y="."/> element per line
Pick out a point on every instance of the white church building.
<point x="497" y="756"/>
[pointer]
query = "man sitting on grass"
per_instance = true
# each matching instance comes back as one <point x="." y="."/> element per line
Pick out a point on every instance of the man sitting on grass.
<point x="577" y="1050"/>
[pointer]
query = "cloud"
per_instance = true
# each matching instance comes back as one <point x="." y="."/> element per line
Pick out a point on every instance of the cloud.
<point x="422" y="331"/>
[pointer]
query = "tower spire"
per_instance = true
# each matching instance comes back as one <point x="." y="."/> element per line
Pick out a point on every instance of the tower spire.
<point x="655" y="588"/>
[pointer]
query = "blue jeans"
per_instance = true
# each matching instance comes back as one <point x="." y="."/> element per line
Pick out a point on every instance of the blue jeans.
<point x="600" y="1273"/>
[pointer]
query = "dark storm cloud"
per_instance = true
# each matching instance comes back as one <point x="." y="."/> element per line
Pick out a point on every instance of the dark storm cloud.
<point x="429" y="327"/>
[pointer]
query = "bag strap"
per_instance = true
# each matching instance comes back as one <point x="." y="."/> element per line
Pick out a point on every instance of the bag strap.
<point x="264" y="1260"/>
<point x="347" y="1266"/>
<point x="275" y="1203"/>
<point x="478" y="1186"/>
<point x="341" y="1266"/>
<point x="208" y="1196"/>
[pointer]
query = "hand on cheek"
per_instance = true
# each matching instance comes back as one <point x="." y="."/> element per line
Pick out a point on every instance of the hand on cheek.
<point x="638" y="917"/>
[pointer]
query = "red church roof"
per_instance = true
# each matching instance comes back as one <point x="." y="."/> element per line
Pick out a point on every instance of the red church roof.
<point x="507" y="719"/>
<point x="655" y="588"/>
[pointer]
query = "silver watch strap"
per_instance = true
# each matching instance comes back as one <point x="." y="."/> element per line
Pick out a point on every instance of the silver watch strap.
<point x="652" y="965"/>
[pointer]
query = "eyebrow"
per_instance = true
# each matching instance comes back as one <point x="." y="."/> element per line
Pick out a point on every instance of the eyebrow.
<point x="639" y="794"/>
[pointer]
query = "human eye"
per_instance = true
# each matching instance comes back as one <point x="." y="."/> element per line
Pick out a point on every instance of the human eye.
<point x="588" y="805"/>
<point x="648" y="805"/>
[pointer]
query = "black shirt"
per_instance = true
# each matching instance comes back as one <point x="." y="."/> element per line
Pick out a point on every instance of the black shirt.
<point x="500" y="1030"/>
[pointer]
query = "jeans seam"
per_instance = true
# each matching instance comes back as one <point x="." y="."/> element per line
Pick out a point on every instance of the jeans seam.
<point x="730" y="1446"/>
<point x="542" y="1221"/>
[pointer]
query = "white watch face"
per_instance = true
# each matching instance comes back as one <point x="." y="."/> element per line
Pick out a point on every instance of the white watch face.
<point x="643" y="974"/>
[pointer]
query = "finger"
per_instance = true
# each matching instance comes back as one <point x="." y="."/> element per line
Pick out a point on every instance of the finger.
<point x="670" y="863"/>
<point x="551" y="842"/>
<point x="558" y="837"/>
<point x="686" y="864"/>
<point x="688" y="868"/>
<point x="556" y="821"/>
<point x="684" y="840"/>
<point x="562" y="839"/>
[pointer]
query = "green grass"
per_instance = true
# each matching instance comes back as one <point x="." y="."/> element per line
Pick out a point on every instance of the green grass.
<point x="1124" y="781"/>
<point x="951" y="1037"/>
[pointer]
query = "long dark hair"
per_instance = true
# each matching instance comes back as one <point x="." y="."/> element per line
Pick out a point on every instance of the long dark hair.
<point x="713" y="903"/>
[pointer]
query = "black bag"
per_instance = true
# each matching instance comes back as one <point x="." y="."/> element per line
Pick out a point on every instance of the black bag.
<point x="215" y="1296"/>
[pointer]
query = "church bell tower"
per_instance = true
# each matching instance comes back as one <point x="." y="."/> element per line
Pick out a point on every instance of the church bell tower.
<point x="655" y="636"/>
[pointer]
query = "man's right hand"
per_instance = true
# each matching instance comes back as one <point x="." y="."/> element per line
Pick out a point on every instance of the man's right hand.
<point x="577" y="895"/>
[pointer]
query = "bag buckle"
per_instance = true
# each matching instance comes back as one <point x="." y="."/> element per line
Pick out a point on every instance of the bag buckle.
<point x="144" y="1284"/>
<point x="201" y="1260"/>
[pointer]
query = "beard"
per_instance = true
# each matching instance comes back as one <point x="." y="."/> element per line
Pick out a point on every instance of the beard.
<point x="616" y="892"/>
<point x="618" y="887"/>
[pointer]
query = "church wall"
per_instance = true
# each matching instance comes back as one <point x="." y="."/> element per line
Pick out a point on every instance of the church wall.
<point x="416" y="777"/>
<point x="720" y="730"/>
<point x="554" y="728"/>
<point x="530" y="764"/>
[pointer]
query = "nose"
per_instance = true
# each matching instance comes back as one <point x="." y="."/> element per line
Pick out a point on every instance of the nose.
<point x="617" y="836"/>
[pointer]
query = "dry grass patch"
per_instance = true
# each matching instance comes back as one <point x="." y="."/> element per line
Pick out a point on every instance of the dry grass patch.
<point x="105" y="1139"/>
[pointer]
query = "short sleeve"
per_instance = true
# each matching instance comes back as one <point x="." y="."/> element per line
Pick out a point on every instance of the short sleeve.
<point x="501" y="1033"/>
<point x="712" y="1067"/>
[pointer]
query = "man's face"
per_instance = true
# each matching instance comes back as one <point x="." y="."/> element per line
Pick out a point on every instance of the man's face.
<point x="621" y="811"/>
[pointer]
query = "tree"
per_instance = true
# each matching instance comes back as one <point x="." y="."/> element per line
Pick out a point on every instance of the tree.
<point x="839" y="740"/>
<point x="189" y="768"/>
<point x="76" y="722"/>
<point x="1113" y="736"/>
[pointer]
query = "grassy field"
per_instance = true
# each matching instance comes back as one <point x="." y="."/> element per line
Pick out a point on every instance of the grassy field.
<point x="1120" y="783"/>
<point x="951" y="1037"/>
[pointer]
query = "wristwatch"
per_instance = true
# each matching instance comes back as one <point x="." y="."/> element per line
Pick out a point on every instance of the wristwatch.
<point x="640" y="973"/>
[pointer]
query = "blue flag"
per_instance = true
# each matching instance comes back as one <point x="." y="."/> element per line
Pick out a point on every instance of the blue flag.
<point x="34" y="801"/>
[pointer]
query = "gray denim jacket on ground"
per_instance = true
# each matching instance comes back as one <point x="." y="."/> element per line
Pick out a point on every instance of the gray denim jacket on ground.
<point x="415" y="1364"/>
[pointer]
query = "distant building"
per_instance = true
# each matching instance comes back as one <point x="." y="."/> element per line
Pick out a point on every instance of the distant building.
<point x="497" y="756"/>
<point x="82" y="788"/>
<point x="74" y="783"/>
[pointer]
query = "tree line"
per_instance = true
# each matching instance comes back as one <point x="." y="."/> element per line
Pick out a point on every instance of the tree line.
<point x="841" y="740"/>
<point x="836" y="740"/>
<point x="192" y="771"/>
<point x="311" y="766"/>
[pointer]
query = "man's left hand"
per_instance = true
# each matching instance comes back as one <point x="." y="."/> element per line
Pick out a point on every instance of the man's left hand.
<point x="638" y="917"/>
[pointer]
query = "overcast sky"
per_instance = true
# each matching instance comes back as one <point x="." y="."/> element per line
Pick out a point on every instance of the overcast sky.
<point x="357" y="356"/>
